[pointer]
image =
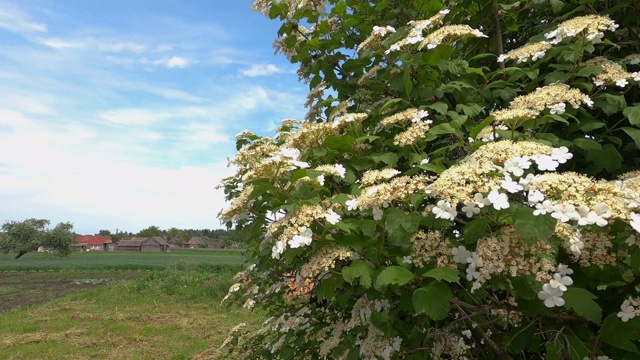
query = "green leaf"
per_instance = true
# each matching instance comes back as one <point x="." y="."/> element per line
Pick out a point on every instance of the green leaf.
<point x="634" y="134"/>
<point x="358" y="269"/>
<point x="475" y="230"/>
<point x="556" y="5"/>
<point x="633" y="114"/>
<point x="581" y="301"/>
<point x="389" y="104"/>
<point x="389" y="158"/>
<point x="400" y="225"/>
<point x="587" y="144"/>
<point x="443" y="274"/>
<point x="393" y="275"/>
<point x="608" y="158"/>
<point x="433" y="300"/>
<point x="617" y="333"/>
<point x="611" y="104"/>
<point x="408" y="84"/>
<point x="469" y="110"/>
<point x="525" y="287"/>
<point x="533" y="228"/>
<point x="339" y="142"/>
<point x="444" y="128"/>
<point x="439" y="107"/>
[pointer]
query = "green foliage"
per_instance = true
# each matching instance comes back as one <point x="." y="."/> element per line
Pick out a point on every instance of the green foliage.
<point x="451" y="192"/>
<point x="25" y="236"/>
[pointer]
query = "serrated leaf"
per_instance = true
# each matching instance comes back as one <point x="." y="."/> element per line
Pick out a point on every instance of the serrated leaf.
<point x="633" y="114"/>
<point x="581" y="301"/>
<point x="432" y="300"/>
<point x="358" y="269"/>
<point x="393" y="275"/>
<point x="611" y="104"/>
<point x="617" y="333"/>
<point x="439" y="107"/>
<point x="608" y="158"/>
<point x="389" y="104"/>
<point x="339" y="142"/>
<point x="389" y="158"/>
<point x="533" y="228"/>
<point x="475" y="230"/>
<point x="443" y="274"/>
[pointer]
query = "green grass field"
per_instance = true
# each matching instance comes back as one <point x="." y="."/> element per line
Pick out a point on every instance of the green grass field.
<point x="118" y="305"/>
<point x="114" y="260"/>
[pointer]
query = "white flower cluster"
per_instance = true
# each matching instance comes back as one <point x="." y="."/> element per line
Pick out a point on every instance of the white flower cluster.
<point x="552" y="291"/>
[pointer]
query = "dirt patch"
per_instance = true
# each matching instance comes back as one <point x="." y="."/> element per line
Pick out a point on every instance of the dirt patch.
<point x="19" y="289"/>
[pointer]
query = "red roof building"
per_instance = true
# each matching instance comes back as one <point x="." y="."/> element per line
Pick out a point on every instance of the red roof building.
<point x="96" y="242"/>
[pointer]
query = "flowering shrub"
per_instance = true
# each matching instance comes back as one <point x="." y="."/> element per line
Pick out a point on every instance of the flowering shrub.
<point x="468" y="186"/>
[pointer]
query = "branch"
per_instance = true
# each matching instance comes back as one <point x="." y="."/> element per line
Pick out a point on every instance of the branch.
<point x="496" y="16"/>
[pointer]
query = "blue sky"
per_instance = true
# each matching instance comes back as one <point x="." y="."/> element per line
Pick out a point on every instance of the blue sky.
<point x="121" y="114"/>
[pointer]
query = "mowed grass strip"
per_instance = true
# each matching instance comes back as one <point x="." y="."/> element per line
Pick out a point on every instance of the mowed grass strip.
<point x="116" y="322"/>
<point x="116" y="260"/>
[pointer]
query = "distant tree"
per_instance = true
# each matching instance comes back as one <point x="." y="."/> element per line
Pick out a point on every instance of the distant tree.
<point x="150" y="231"/>
<point x="24" y="236"/>
<point x="104" y="233"/>
<point x="177" y="235"/>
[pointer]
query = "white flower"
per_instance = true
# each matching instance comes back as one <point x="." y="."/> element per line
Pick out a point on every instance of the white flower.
<point x="340" y="170"/>
<point x="546" y="162"/>
<point x="352" y="204"/>
<point x="516" y="165"/>
<point x="595" y="38"/>
<point x="419" y="116"/>
<point x="561" y="154"/>
<point x="543" y="208"/>
<point x="636" y="75"/>
<point x="564" y="269"/>
<point x="558" y="108"/>
<point x="303" y="239"/>
<point x="498" y="200"/>
<point x="332" y="217"/>
<point x="444" y="210"/>
<point x="470" y="208"/>
<point x="249" y="304"/>
<point x="475" y="260"/>
<point x="502" y="58"/>
<point x="444" y="12"/>
<point x="277" y="249"/>
<point x="622" y="82"/>
<point x="538" y="55"/>
<point x="526" y="181"/>
<point x="424" y="161"/>
<point x="472" y="273"/>
<point x="407" y="259"/>
<point x="631" y="240"/>
<point x="565" y="212"/>
<point x="627" y="311"/>
<point x="535" y="196"/>
<point x="460" y="254"/>
<point x="598" y="82"/>
<point x="551" y="296"/>
<point x="320" y="179"/>
<point x="576" y="245"/>
<point x="635" y="222"/>
<point x="510" y="185"/>
<point x="300" y="164"/>
<point x="587" y="100"/>
<point x="377" y="214"/>
<point x="560" y="282"/>
<point x="480" y="200"/>
<point x="291" y="153"/>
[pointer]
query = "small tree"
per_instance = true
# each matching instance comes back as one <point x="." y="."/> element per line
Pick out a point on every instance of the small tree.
<point x="25" y="236"/>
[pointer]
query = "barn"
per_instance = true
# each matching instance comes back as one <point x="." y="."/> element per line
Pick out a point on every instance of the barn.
<point x="130" y="245"/>
<point x="155" y="243"/>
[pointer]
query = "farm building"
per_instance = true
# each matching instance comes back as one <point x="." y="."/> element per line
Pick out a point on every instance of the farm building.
<point x="194" y="242"/>
<point x="130" y="245"/>
<point x="96" y="243"/>
<point x="156" y="243"/>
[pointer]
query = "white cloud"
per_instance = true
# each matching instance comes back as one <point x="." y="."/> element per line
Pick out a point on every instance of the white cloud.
<point x="134" y="116"/>
<point x="263" y="70"/>
<point x="123" y="47"/>
<point x="17" y="20"/>
<point x="176" y="62"/>
<point x="169" y="93"/>
<point x="35" y="104"/>
<point x="163" y="47"/>
<point x="60" y="44"/>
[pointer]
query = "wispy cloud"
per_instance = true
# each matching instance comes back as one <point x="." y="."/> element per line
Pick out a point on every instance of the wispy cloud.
<point x="133" y="116"/>
<point x="123" y="47"/>
<point x="14" y="18"/>
<point x="263" y="70"/>
<point x="60" y="44"/>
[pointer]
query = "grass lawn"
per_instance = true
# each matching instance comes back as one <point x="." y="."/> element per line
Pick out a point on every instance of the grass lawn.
<point x="115" y="322"/>
<point x="115" y="260"/>
<point x="118" y="305"/>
